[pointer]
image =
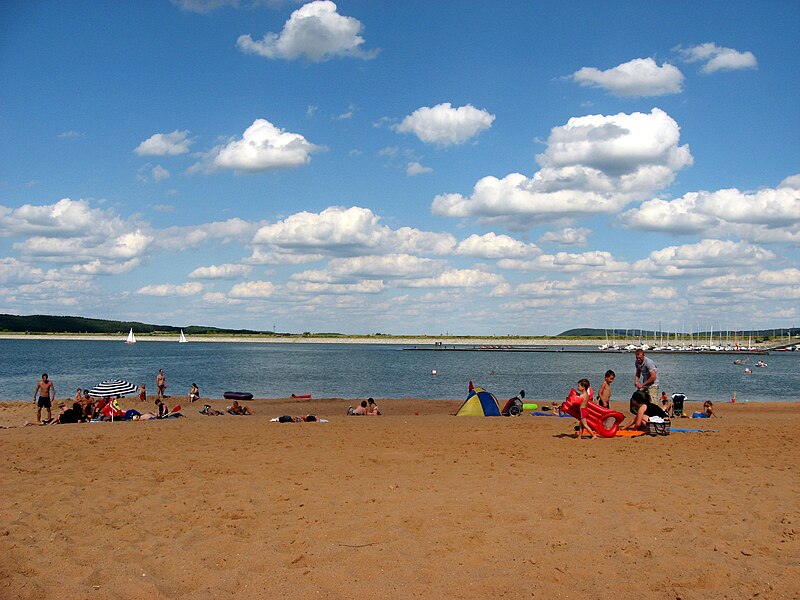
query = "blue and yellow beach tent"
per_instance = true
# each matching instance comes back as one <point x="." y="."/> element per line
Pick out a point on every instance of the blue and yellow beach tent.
<point x="479" y="403"/>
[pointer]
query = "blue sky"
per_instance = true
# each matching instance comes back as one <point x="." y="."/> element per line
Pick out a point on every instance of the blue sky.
<point x="464" y="167"/>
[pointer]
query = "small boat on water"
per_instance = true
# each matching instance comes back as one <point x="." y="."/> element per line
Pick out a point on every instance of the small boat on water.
<point x="131" y="338"/>
<point x="182" y="339"/>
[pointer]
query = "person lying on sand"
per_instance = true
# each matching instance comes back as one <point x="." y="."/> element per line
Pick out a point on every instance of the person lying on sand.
<point x="238" y="409"/>
<point x="210" y="412"/>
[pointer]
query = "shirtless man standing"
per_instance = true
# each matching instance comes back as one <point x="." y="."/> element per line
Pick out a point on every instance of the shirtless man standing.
<point x="161" y="384"/>
<point x="46" y="393"/>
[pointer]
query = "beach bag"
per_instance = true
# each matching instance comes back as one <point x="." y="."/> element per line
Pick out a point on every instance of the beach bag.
<point x="658" y="426"/>
<point x="285" y="419"/>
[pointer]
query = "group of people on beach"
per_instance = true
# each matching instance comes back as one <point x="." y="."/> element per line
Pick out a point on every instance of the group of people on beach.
<point x="366" y="408"/>
<point x="644" y="405"/>
<point x="86" y="408"/>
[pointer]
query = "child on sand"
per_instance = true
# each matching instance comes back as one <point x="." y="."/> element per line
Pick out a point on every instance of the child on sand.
<point x="583" y="390"/>
<point x="604" y="395"/>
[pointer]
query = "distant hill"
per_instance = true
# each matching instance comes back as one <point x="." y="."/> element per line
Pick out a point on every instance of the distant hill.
<point x="52" y="324"/>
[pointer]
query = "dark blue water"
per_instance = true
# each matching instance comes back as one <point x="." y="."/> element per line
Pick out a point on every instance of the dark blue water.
<point x="382" y="371"/>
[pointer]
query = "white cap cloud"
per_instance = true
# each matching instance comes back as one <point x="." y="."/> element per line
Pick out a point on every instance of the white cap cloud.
<point x="165" y="144"/>
<point x="262" y="147"/>
<point x="593" y="164"/>
<point x="717" y="58"/>
<point x="444" y="125"/>
<point x="315" y="31"/>
<point x="638" y="77"/>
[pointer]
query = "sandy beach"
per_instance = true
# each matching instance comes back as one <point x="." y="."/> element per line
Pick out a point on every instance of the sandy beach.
<point x="413" y="504"/>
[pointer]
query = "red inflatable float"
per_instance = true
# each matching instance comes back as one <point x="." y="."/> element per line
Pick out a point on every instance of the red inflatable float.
<point x="603" y="421"/>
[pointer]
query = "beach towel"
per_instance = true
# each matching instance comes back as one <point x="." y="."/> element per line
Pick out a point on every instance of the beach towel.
<point x="546" y="414"/>
<point x="684" y="430"/>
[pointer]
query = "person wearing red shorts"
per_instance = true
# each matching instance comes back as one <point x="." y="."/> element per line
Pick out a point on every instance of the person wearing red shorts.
<point x="583" y="390"/>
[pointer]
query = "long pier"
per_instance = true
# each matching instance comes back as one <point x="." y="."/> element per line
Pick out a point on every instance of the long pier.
<point x="576" y="350"/>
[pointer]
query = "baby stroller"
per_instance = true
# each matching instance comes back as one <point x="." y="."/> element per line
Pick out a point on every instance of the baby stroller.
<point x="513" y="408"/>
<point x="677" y="404"/>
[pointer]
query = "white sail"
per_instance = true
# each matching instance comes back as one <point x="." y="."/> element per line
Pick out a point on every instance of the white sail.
<point x="131" y="338"/>
<point x="182" y="339"/>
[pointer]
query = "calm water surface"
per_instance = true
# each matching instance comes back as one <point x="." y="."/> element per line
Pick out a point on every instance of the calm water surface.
<point x="382" y="371"/>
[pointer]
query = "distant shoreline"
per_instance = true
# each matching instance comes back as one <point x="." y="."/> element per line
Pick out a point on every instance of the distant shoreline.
<point x="400" y="340"/>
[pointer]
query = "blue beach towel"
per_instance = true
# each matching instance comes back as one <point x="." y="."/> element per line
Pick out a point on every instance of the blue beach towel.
<point x="547" y="414"/>
<point x="684" y="430"/>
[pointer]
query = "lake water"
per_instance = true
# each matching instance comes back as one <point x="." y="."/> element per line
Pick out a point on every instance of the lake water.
<point x="270" y="370"/>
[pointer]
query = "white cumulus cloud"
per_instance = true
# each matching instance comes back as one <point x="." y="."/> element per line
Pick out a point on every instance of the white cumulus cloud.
<point x="638" y="77"/>
<point x="353" y="231"/>
<point x="703" y="258"/>
<point x="593" y="164"/>
<point x="568" y="236"/>
<point x="444" y="125"/>
<point x="458" y="278"/>
<point x="165" y="144"/>
<point x="252" y="289"/>
<point x="169" y="289"/>
<point x="262" y="147"/>
<point x="774" y="209"/>
<point x="493" y="246"/>
<point x="717" y="58"/>
<point x="315" y="31"/>
<point x="226" y="271"/>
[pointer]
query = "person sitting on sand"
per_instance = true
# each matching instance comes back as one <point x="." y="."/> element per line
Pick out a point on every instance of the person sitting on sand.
<point x="163" y="411"/>
<point x="666" y="404"/>
<point x="604" y="395"/>
<point x="644" y="410"/>
<point x="87" y="404"/>
<point x="708" y="408"/>
<point x="361" y="409"/>
<point x="373" y="408"/>
<point x="238" y="409"/>
<point x="583" y="390"/>
<point x="194" y="393"/>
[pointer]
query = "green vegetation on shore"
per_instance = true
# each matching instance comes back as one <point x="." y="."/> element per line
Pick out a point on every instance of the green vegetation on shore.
<point x="49" y="324"/>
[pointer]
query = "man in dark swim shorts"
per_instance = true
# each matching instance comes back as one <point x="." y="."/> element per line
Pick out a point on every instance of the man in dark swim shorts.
<point x="46" y="391"/>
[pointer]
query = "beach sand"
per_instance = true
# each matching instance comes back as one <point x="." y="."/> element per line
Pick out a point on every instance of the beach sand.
<point x="404" y="505"/>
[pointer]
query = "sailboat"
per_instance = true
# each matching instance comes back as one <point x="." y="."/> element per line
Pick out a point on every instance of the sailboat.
<point x="182" y="339"/>
<point x="131" y="338"/>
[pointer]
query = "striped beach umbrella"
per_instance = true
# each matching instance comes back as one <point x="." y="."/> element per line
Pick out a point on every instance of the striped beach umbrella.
<point x="111" y="388"/>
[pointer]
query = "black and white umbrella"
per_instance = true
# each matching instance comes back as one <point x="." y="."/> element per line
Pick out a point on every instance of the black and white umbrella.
<point x="111" y="388"/>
